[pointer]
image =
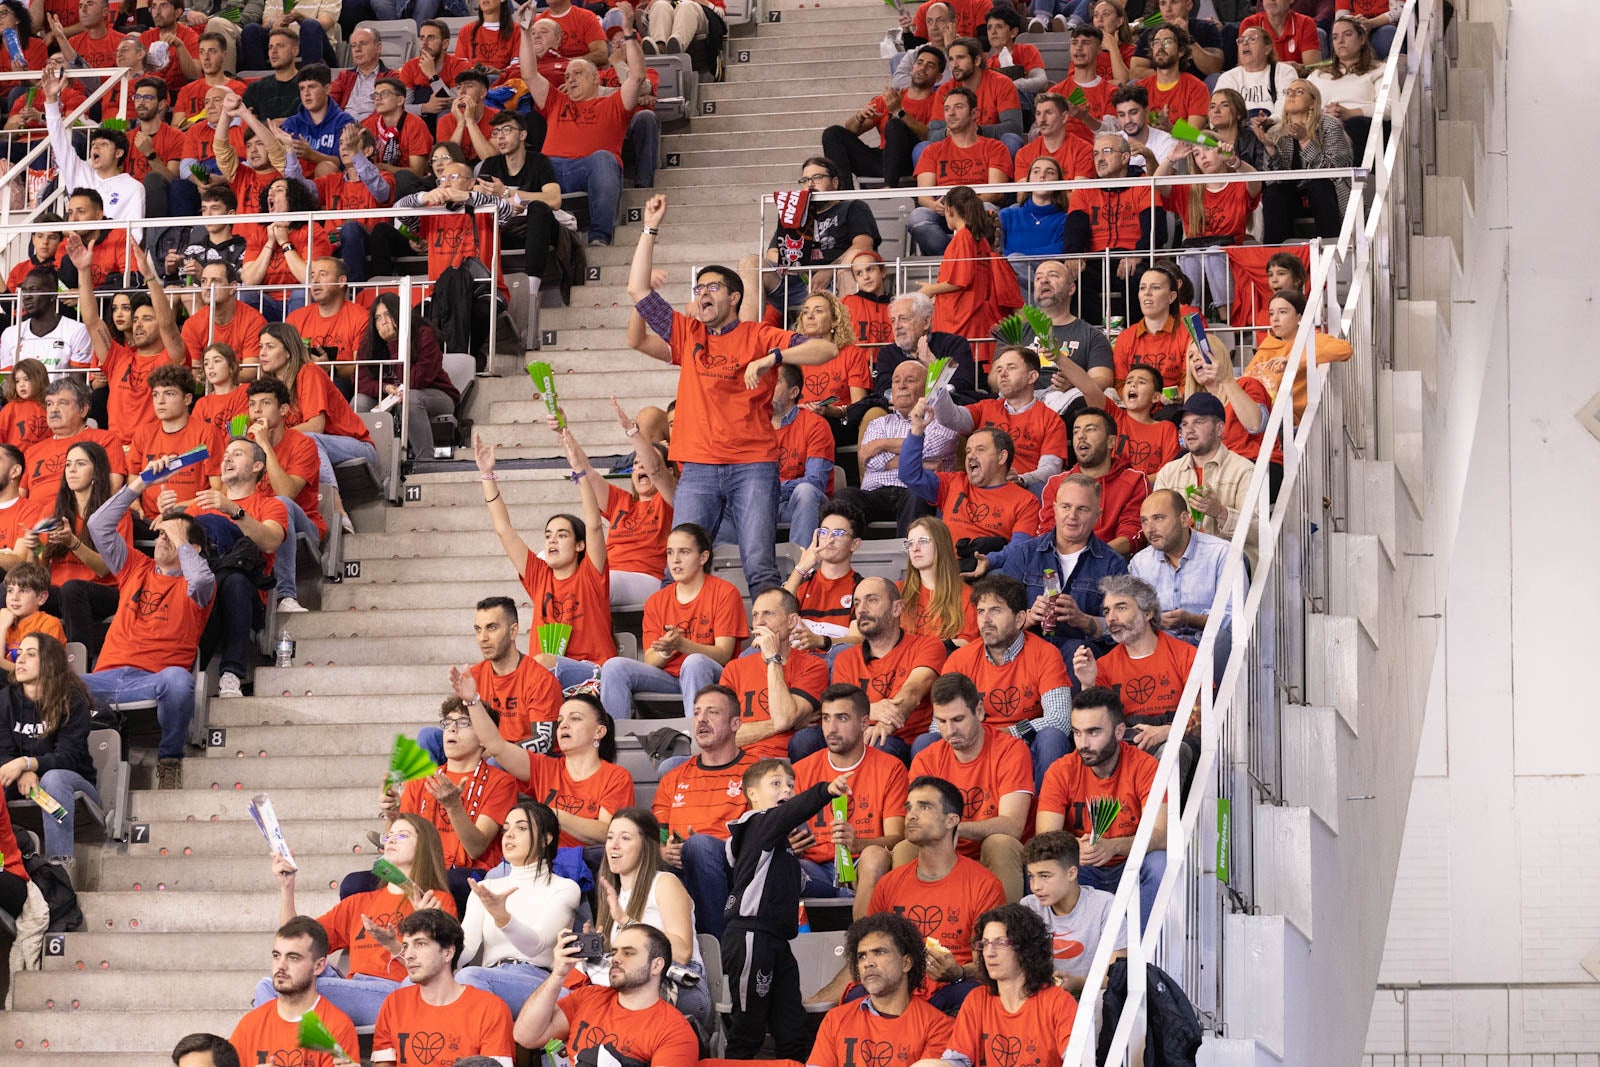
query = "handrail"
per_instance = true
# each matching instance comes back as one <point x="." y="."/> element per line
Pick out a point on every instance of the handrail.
<point x="115" y="77"/>
<point x="1358" y="236"/>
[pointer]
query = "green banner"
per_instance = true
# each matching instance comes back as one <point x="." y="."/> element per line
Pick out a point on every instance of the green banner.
<point x="1224" y="836"/>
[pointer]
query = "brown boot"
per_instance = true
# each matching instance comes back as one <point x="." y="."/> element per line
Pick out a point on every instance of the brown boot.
<point x="169" y="774"/>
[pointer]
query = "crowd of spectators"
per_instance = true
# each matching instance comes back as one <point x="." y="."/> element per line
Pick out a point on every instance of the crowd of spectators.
<point x="928" y="746"/>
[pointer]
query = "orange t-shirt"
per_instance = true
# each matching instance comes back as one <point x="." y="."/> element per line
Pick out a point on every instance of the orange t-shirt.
<point x="485" y="790"/>
<point x="168" y="144"/>
<point x="1226" y="211"/>
<point x="1069" y="786"/>
<point x="128" y="406"/>
<point x="548" y="782"/>
<point x="719" y="420"/>
<point x="339" y="333"/>
<point x="493" y="48"/>
<point x="242" y="333"/>
<point x="1113" y="216"/>
<point x="869" y="316"/>
<point x="220" y="409"/>
<point x="1035" y="1035"/>
<point x="48" y="458"/>
<point x="191" y="99"/>
<point x="946" y="909"/>
<point x="412" y="1031"/>
<point x="1186" y="97"/>
<point x="16" y="518"/>
<point x="527" y="700"/>
<point x="68" y="567"/>
<point x="691" y="795"/>
<point x="1149" y="446"/>
<point x="950" y="164"/>
<point x="884" y="676"/>
<point x="636" y="540"/>
<point x="1076" y="160"/>
<point x="255" y="237"/>
<point x="999" y="511"/>
<point x="657" y="1035"/>
<point x="996" y="93"/>
<point x="1166" y="350"/>
<point x="346" y="931"/>
<point x="1012" y="692"/>
<point x="828" y="599"/>
<point x="579" y="128"/>
<point x="297" y="455"/>
<point x="806" y="675"/>
<point x="920" y="619"/>
<point x="262" y="507"/>
<point x="971" y="310"/>
<point x="22" y="423"/>
<point x="157" y="625"/>
<point x="315" y="394"/>
<point x="1151" y="686"/>
<point x="877" y="792"/>
<point x="1004" y="766"/>
<point x="807" y="436"/>
<point x="264" y="1036"/>
<point x="582" y="600"/>
<point x="849" y="1031"/>
<point x="1036" y="430"/>
<point x="153" y="440"/>
<point x="716" y="611"/>
<point x="849" y="369"/>
<point x="40" y="622"/>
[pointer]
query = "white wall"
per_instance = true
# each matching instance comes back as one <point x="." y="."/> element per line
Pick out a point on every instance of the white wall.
<point x="1500" y="872"/>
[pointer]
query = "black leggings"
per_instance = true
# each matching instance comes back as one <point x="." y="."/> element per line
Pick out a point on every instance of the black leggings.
<point x="892" y="162"/>
<point x="1280" y="207"/>
<point x="13" y="893"/>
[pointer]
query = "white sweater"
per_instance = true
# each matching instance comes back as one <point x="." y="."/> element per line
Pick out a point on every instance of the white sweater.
<point x="541" y="907"/>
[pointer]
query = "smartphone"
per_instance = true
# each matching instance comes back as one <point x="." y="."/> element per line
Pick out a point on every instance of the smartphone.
<point x="828" y="401"/>
<point x="44" y="526"/>
<point x="591" y="946"/>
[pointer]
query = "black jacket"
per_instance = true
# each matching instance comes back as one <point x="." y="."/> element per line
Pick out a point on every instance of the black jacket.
<point x="764" y="891"/>
<point x="22" y="734"/>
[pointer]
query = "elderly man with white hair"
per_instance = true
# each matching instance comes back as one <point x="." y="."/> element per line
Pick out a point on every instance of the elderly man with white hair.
<point x="911" y="319"/>
<point x="583" y="140"/>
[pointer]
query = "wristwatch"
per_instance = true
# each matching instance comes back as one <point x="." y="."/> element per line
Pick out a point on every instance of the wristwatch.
<point x="238" y="513"/>
<point x="777" y="356"/>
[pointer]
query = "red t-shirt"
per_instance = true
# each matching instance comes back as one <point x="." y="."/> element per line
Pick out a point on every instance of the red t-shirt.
<point x="851" y="368"/>
<point x="261" y="507"/>
<point x="446" y="67"/>
<point x="397" y="144"/>
<point x="996" y="93"/>
<point x="828" y="599"/>
<point x="264" y="1036"/>
<point x="1074" y="155"/>
<point x="157" y="624"/>
<point x="255" y="238"/>
<point x="346" y="930"/>
<point x="716" y="611"/>
<point x="172" y="73"/>
<point x="807" y="436"/>
<point x="527" y="699"/>
<point x="1012" y="692"/>
<point x="1183" y="99"/>
<point x="1113" y="216"/>
<point x="582" y="601"/>
<point x="168" y="144"/>
<point x="877" y="792"/>
<point x="869" y="316"/>
<point x="1036" y="430"/>
<point x="945" y="910"/>
<point x="578" y="128"/>
<point x="883" y="676"/>
<point x="475" y="44"/>
<point x="340" y="332"/>
<point x="1226" y="210"/>
<point x="191" y="98"/>
<point x="971" y="310"/>
<point x="242" y="333"/>
<point x="412" y="1031"/>
<point x="1150" y="686"/>
<point x="153" y="440"/>
<point x="447" y="129"/>
<point x="950" y="164"/>
<point x="921" y="110"/>
<point x="128" y="371"/>
<point x="1235" y="438"/>
<point x="485" y="790"/>
<point x="998" y="511"/>
<point x="719" y="420"/>
<point x="1299" y="35"/>
<point x="48" y="458"/>
<point x="694" y="799"/>
<point x="919" y="617"/>
<point x="297" y="455"/>
<point x="1035" y="1035"/>
<point x="922" y="1032"/>
<point x="315" y="394"/>
<point x="580" y="28"/>
<point x="657" y="1035"/>
<point x="610" y="788"/>
<point x="806" y="676"/>
<point x="1022" y="55"/>
<point x="1069" y="786"/>
<point x="101" y="52"/>
<point x="1149" y="446"/>
<point x="1003" y="767"/>
<point x="1166" y="350"/>
<point x="23" y="423"/>
<point x="636" y="540"/>
<point x="218" y="410"/>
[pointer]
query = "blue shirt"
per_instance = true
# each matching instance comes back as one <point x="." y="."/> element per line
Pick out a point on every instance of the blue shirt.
<point x="1031" y="229"/>
<point x="321" y="136"/>
<point x="1191" y="585"/>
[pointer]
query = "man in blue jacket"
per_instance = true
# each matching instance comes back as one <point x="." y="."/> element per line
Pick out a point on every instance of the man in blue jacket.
<point x="319" y="122"/>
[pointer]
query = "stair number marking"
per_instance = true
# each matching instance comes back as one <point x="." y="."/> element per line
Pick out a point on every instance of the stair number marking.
<point x="352" y="568"/>
<point x="636" y="214"/>
<point x="744" y="55"/>
<point x="55" y="944"/>
<point x="593" y="274"/>
<point x="413" y="493"/>
<point x="708" y="108"/>
<point x="673" y="159"/>
<point x="774" y="16"/>
<point x="547" y="337"/>
<point x="217" y="737"/>
<point x="139" y="833"/>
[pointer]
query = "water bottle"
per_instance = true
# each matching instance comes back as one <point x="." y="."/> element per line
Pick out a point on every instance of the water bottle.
<point x="14" y="45"/>
<point x="555" y="1053"/>
<point x="285" y="649"/>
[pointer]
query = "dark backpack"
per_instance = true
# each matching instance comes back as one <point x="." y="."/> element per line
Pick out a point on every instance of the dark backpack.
<point x="231" y="550"/>
<point x="451" y="313"/>
<point x="65" y="915"/>
<point x="1172" y="1030"/>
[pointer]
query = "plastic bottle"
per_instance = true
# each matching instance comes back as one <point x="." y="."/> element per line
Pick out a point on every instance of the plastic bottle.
<point x="14" y="45"/>
<point x="285" y="649"/>
<point x="555" y="1053"/>
<point x="1052" y="587"/>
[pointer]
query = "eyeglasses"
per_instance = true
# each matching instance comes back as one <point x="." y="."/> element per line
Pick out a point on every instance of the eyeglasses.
<point x="708" y="287"/>
<point x="146" y="96"/>
<point x="1109" y="152"/>
<point x="383" y="92"/>
<point x="979" y="944"/>
<point x="455" y="724"/>
<point x="826" y="534"/>
<point x="812" y="179"/>
<point x="917" y="542"/>
<point x="395" y="836"/>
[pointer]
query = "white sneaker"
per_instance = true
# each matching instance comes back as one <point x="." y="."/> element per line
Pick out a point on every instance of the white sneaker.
<point x="1037" y="25"/>
<point x="289" y="605"/>
<point x="1060" y="24"/>
<point x="345" y="524"/>
<point x="228" y="685"/>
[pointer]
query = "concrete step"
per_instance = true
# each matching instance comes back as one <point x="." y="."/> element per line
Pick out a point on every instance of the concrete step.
<point x="403" y="675"/>
<point x="801" y="66"/>
<point x="536" y="441"/>
<point x="196" y="912"/>
<point x="153" y="1058"/>
<point x="729" y="155"/>
<point x="795" y="133"/>
<point x="804" y="81"/>
<point x="461" y="518"/>
<point x="462" y="595"/>
<point x="320" y="625"/>
<point x="240" y="839"/>
<point x="303" y="800"/>
<point x="84" y="994"/>
<point x="275" y="710"/>
<point x="321" y="739"/>
<point x="576" y="379"/>
<point x="729" y="119"/>
<point x="764" y="176"/>
<point x="469" y="569"/>
<point x="408" y="546"/>
<point x="100" y="953"/>
<point x="182" y="875"/>
<point x="680" y="247"/>
<point x="254" y="773"/>
<point x="527" y="412"/>
<point x="133" y="1031"/>
<point x="865" y="21"/>
<point x="832" y="48"/>
<point x="741" y="200"/>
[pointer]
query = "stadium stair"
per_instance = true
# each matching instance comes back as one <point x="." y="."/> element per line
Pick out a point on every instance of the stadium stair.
<point x="178" y="926"/>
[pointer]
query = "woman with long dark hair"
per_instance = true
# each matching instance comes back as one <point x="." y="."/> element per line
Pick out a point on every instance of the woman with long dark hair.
<point x="430" y="393"/>
<point x="492" y="39"/>
<point x="969" y="296"/>
<point x="275" y="254"/>
<point x="44" y="737"/>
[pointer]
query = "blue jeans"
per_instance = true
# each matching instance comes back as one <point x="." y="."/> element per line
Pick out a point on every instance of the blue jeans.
<point x="511" y="982"/>
<point x="600" y="175"/>
<point x="819" y="880"/>
<point x="800" y="505"/>
<point x="1150" y="872"/>
<point x="805" y="742"/>
<point x="748" y="494"/>
<point x="1048" y="744"/>
<point x="272" y="309"/>
<point x="61" y="784"/>
<point x="253" y="44"/>
<point x="570" y="672"/>
<point x="359" y="996"/>
<point x="333" y="448"/>
<point x="172" y="688"/>
<point x="705" y="875"/>
<point x="1075" y="10"/>
<point x="644" y="133"/>
<point x="927" y="227"/>
<point x="283" y="560"/>
<point x="620" y="678"/>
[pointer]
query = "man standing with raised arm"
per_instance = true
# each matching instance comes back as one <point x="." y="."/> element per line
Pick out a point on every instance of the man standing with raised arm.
<point x="724" y="441"/>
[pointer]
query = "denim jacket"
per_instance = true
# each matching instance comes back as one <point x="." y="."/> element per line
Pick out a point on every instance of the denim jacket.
<point x="1026" y="559"/>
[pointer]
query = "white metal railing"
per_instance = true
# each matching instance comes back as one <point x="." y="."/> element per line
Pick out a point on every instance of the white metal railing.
<point x="1498" y="1001"/>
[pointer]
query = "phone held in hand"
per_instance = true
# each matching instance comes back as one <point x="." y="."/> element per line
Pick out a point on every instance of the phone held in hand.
<point x="591" y="946"/>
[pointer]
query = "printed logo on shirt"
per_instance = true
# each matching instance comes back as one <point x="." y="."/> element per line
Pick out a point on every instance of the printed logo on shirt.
<point x="1004" y="703"/>
<point x="847" y="600"/>
<point x="149" y="604"/>
<point x="567" y="608"/>
<point x="1007" y="1050"/>
<point x="1140" y="689"/>
<point x="862" y="1052"/>
<point x="1139" y="452"/>
<point x="591" y="1036"/>
<point x="422" y="1047"/>
<point x="714" y="364"/>
<point x="927" y="918"/>
<point x="974" y="801"/>
<point x="1064" y="947"/>
<point x="735" y="788"/>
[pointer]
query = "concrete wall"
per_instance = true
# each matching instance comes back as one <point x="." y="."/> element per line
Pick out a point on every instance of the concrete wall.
<point x="1500" y="871"/>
